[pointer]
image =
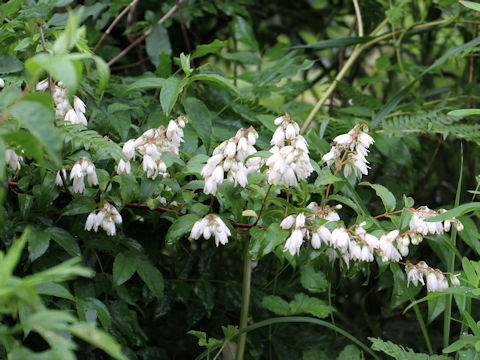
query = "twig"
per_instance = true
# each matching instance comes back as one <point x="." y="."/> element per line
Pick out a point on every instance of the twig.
<point x="128" y="66"/>
<point x="64" y="182"/>
<point x="112" y="25"/>
<point x="184" y="28"/>
<point x="143" y="36"/>
<point x="263" y="205"/>
<point x="358" y="16"/>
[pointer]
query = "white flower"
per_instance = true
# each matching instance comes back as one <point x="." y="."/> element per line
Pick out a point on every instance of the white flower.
<point x="78" y="185"/>
<point x="288" y="222"/>
<point x="316" y="241"/>
<point x="91" y="175"/>
<point x="76" y="171"/>
<point x="92" y="222"/>
<point x="78" y="104"/>
<point x="42" y="85"/>
<point x="343" y="140"/>
<point x="340" y="238"/>
<point x="454" y="280"/>
<point x="294" y="242"/>
<point x="211" y="225"/>
<point x="129" y="149"/>
<point x="2" y="83"/>
<point x="12" y="159"/>
<point x="414" y="275"/>
<point x="58" y="178"/>
<point x="106" y="218"/>
<point x="365" y="140"/>
<point x="123" y="167"/>
<point x="389" y="253"/>
<point x="432" y="282"/>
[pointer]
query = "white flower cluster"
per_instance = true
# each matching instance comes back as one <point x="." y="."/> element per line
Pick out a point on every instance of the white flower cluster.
<point x="106" y="218"/>
<point x="12" y="159"/>
<point x="230" y="157"/>
<point x="83" y="167"/>
<point x="305" y="228"/>
<point x="211" y="225"/>
<point x="356" y="143"/>
<point x="420" y="227"/>
<point x="2" y="83"/>
<point x="357" y="244"/>
<point x="436" y="280"/>
<point x="151" y="144"/>
<point x="290" y="162"/>
<point x="63" y="109"/>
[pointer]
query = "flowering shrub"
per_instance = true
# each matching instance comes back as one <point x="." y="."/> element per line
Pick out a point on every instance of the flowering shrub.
<point x="173" y="156"/>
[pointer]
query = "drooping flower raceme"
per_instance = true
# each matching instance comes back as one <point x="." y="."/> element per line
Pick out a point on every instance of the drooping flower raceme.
<point x="353" y="148"/>
<point x="211" y="225"/>
<point x="151" y="144"/>
<point x="434" y="278"/>
<point x="290" y="162"/>
<point x="63" y="109"/>
<point x="106" y="218"/>
<point x="229" y="157"/>
<point x="83" y="167"/>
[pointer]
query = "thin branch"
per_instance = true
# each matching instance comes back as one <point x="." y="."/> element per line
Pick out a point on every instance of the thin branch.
<point x="112" y="25"/>
<point x="143" y="36"/>
<point x="263" y="205"/>
<point x="128" y="66"/>
<point x="358" y="16"/>
<point x="184" y="28"/>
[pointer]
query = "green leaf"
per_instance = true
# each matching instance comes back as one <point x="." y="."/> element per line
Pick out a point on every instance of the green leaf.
<point x="25" y="203"/>
<point x="455" y="212"/>
<point x="31" y="145"/>
<point x="244" y="57"/>
<point x="185" y="62"/>
<point x="53" y="289"/>
<point x="471" y="5"/>
<point x="276" y="305"/>
<point x="387" y="197"/>
<point x="215" y="79"/>
<point x="206" y="293"/>
<point x="313" y="281"/>
<point x="180" y="227"/>
<point x="129" y="187"/>
<point x="62" y="67"/>
<point x="158" y="42"/>
<point x="399" y="96"/>
<point x="81" y="205"/>
<point x="164" y="68"/>
<point x="306" y="304"/>
<point x="145" y="83"/>
<point x="151" y="276"/>
<point x="38" y="243"/>
<point x="10" y="260"/>
<point x="9" y="64"/>
<point x="464" y="112"/>
<point x="169" y="94"/>
<point x="400" y="352"/>
<point x="35" y="113"/>
<point x="124" y="266"/>
<point x="98" y="338"/>
<point x="103" y="72"/>
<point x="212" y="48"/>
<point x="243" y="32"/>
<point x="65" y="240"/>
<point x="325" y="177"/>
<point x="200" y="119"/>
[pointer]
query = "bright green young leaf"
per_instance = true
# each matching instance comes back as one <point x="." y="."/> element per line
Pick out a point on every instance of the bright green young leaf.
<point x="310" y="305"/>
<point x="471" y="5"/>
<point x="214" y="79"/>
<point x="164" y="68"/>
<point x="10" y="260"/>
<point x="455" y="212"/>
<point x="464" y="112"/>
<point x="169" y="94"/>
<point x="35" y="113"/>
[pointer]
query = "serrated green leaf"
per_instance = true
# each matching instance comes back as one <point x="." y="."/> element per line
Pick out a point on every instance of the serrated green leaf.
<point x="180" y="227"/>
<point x="169" y="94"/>
<point x="200" y="119"/>
<point x="81" y="205"/>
